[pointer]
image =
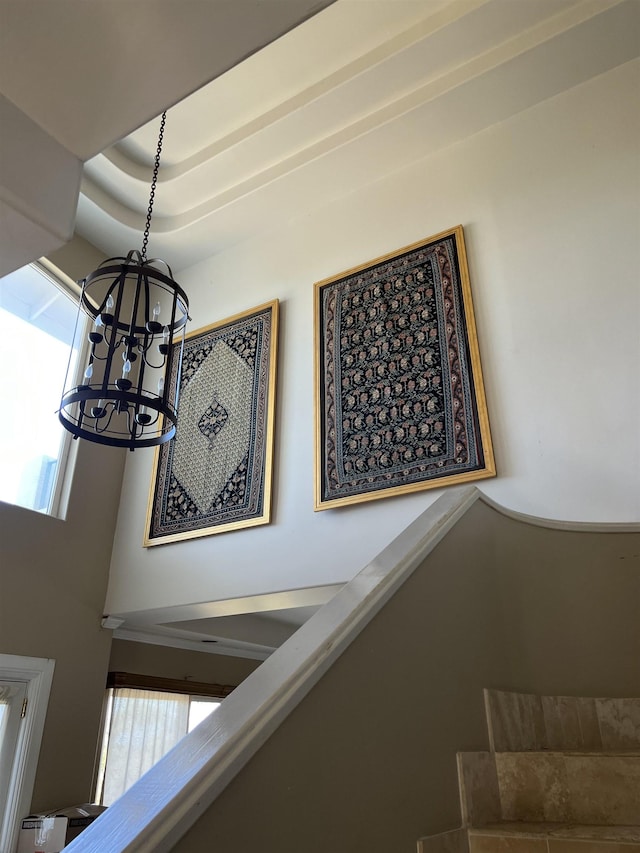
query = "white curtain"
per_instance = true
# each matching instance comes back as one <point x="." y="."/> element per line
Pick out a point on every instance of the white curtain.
<point x="144" y="726"/>
<point x="5" y="697"/>
<point x="7" y="692"/>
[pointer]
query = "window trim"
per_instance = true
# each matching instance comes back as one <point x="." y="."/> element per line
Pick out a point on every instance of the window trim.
<point x="68" y="447"/>
<point x="59" y="278"/>
<point x="168" y="685"/>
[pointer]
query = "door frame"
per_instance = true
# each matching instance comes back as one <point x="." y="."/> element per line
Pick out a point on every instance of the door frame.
<point x="38" y="675"/>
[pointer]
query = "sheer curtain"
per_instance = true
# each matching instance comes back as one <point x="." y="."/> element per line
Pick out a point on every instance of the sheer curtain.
<point x="145" y="724"/>
<point x="12" y="694"/>
<point x="5" y="764"/>
<point x="5" y="695"/>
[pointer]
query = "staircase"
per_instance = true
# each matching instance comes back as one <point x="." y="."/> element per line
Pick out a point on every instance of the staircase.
<point x="562" y="776"/>
<point x="382" y="767"/>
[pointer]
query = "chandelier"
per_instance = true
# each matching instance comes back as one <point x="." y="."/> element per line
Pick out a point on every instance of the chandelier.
<point x="128" y="396"/>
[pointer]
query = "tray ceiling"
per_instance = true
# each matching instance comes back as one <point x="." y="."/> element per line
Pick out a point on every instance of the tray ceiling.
<point x="352" y="94"/>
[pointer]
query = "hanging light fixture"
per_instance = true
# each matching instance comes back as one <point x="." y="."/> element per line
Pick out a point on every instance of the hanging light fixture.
<point x="128" y="396"/>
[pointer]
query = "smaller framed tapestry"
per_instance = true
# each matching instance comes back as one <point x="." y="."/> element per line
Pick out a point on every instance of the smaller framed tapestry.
<point x="215" y="475"/>
<point x="400" y="402"/>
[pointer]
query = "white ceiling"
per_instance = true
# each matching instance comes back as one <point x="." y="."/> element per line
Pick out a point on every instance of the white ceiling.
<point x="355" y="92"/>
<point x="88" y="72"/>
<point x="252" y="634"/>
<point x="78" y="75"/>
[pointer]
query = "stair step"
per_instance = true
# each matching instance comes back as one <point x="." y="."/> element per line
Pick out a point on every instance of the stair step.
<point x="545" y="837"/>
<point x="574" y="787"/>
<point x="521" y="721"/>
<point x="569" y="787"/>
<point x="562" y="776"/>
<point x="454" y="841"/>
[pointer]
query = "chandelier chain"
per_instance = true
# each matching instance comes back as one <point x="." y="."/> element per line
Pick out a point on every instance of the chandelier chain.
<point x="154" y="181"/>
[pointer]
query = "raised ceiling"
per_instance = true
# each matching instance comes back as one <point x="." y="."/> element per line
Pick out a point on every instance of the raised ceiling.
<point x="354" y="93"/>
<point x="78" y="75"/>
<point x="88" y="72"/>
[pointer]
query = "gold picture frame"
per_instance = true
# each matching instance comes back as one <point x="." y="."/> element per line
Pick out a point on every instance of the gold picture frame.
<point x="216" y="474"/>
<point x="399" y="396"/>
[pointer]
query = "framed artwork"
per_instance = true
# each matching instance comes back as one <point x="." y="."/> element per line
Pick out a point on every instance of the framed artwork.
<point x="400" y="402"/>
<point x="216" y="474"/>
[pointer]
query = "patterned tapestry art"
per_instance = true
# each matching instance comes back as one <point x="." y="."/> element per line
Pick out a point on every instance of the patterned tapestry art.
<point x="216" y="474"/>
<point x="400" y="402"/>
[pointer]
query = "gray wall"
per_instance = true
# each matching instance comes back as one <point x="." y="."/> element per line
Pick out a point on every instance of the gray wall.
<point x="52" y="586"/>
<point x="366" y="763"/>
<point x="569" y="605"/>
<point x="53" y="578"/>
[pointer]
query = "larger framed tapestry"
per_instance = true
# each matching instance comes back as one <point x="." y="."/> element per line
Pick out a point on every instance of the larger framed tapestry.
<point x="400" y="403"/>
<point x="215" y="475"/>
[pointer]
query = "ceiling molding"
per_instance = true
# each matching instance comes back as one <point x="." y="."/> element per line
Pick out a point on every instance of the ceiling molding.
<point x="91" y="73"/>
<point x="428" y="84"/>
<point x="256" y="604"/>
<point x="220" y="627"/>
<point x="205" y="645"/>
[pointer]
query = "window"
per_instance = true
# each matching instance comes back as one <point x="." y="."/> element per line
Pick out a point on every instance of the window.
<point x="38" y="313"/>
<point x="142" y="723"/>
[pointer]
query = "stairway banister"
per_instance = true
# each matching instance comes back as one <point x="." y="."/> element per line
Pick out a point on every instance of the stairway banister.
<point x="160" y="808"/>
